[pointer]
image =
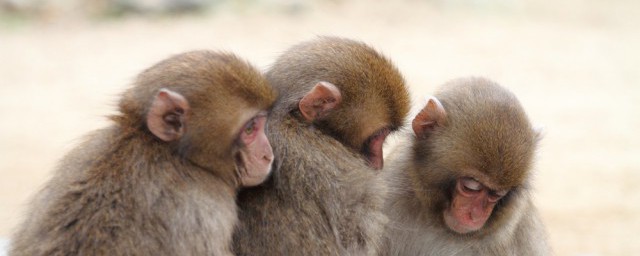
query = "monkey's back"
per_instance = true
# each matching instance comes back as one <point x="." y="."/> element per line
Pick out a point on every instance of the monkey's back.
<point x="112" y="196"/>
<point x="321" y="200"/>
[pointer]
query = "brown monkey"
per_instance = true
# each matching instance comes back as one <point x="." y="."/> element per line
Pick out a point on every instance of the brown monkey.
<point x="463" y="186"/>
<point x="162" y="180"/>
<point x="338" y="100"/>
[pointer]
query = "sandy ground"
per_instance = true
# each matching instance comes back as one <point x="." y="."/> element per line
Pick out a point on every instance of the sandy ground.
<point x="573" y="66"/>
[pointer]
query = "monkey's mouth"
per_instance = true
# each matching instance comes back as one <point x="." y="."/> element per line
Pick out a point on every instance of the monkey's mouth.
<point x="461" y="227"/>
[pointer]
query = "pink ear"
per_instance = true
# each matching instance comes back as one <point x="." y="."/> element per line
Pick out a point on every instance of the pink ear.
<point x="168" y="115"/>
<point x="432" y="115"/>
<point x="321" y="99"/>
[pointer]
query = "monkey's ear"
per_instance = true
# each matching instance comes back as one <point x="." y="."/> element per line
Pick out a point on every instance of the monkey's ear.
<point x="168" y="115"/>
<point x="431" y="116"/>
<point x="319" y="101"/>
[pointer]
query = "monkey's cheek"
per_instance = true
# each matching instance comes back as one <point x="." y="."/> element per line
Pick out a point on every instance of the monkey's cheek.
<point x="375" y="158"/>
<point x="256" y="174"/>
<point x="451" y="222"/>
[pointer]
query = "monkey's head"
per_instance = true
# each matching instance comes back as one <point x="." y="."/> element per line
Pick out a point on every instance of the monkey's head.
<point x="210" y="109"/>
<point x="344" y="88"/>
<point x="475" y="148"/>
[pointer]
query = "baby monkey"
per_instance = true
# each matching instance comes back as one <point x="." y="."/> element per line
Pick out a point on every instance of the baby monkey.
<point x="463" y="186"/>
<point x="161" y="180"/>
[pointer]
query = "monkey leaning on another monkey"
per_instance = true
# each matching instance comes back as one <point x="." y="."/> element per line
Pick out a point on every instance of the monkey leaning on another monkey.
<point x="338" y="101"/>
<point x="162" y="179"/>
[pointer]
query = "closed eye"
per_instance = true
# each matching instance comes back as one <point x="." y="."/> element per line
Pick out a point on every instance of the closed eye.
<point x="497" y="195"/>
<point x="471" y="185"/>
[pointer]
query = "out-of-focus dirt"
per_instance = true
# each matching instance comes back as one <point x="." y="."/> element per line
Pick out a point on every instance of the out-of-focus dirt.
<point x="573" y="65"/>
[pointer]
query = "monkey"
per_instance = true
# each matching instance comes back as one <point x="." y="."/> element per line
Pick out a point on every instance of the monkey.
<point x="462" y="185"/>
<point x="338" y="101"/>
<point x="163" y="178"/>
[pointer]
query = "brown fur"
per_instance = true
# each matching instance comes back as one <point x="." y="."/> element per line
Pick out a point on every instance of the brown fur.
<point x="125" y="192"/>
<point x="323" y="199"/>
<point x="487" y="130"/>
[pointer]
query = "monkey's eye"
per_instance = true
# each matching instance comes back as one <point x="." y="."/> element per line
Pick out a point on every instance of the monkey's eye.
<point x="471" y="185"/>
<point x="501" y="193"/>
<point x="494" y="196"/>
<point x="250" y="127"/>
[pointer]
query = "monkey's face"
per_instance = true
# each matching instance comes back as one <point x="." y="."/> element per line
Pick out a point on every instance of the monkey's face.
<point x="472" y="203"/>
<point x="364" y="134"/>
<point x="234" y="144"/>
<point x="230" y="144"/>
<point x="465" y="198"/>
<point x="254" y="155"/>
<point x="372" y="147"/>
<point x="482" y="169"/>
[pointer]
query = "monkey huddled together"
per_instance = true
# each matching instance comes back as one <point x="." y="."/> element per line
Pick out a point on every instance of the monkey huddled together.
<point x="208" y="156"/>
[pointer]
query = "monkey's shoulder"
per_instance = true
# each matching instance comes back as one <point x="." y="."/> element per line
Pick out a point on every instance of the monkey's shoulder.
<point x="101" y="202"/>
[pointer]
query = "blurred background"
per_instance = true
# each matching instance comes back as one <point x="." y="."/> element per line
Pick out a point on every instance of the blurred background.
<point x="574" y="64"/>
